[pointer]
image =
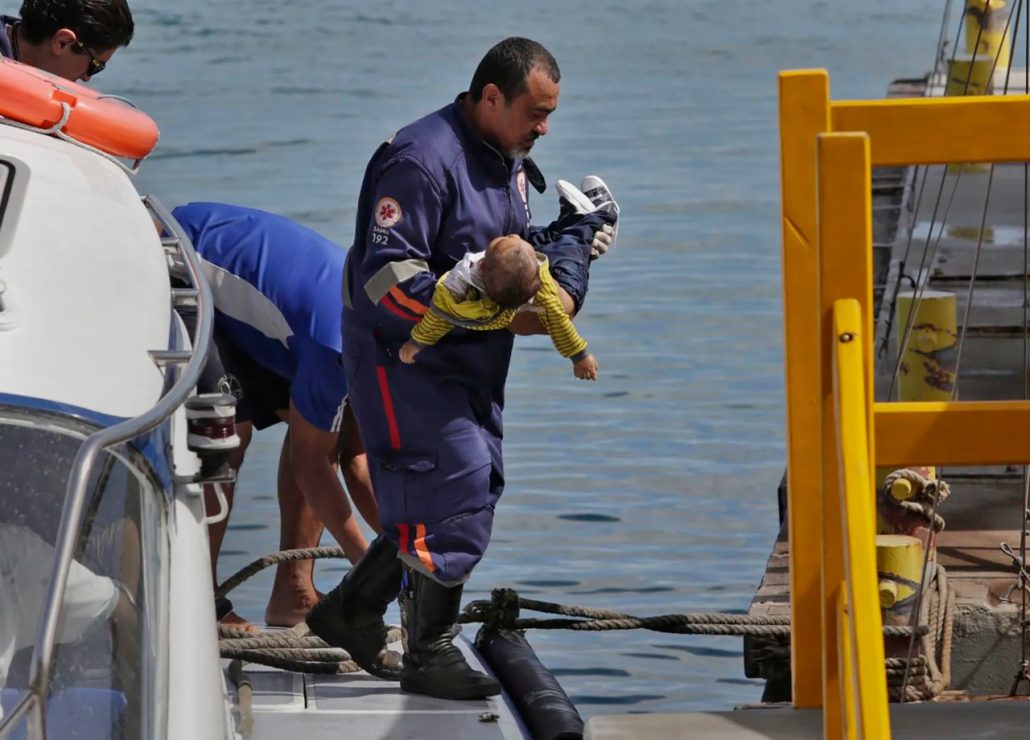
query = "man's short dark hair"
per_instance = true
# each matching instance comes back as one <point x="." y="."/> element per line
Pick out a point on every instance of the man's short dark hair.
<point x="99" y="24"/>
<point x="508" y="64"/>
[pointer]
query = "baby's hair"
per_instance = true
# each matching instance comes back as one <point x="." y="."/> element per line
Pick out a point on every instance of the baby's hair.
<point x="511" y="273"/>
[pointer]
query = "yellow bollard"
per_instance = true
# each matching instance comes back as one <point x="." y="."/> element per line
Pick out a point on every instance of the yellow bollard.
<point x="899" y="567"/>
<point x="987" y="34"/>
<point x="927" y="371"/>
<point x="891" y="519"/>
<point x="899" y="570"/>
<point x="969" y="76"/>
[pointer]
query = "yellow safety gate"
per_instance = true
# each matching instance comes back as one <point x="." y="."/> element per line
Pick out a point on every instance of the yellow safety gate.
<point x="836" y="434"/>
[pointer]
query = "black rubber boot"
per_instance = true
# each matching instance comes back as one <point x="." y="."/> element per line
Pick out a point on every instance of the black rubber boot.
<point x="433" y="665"/>
<point x="351" y="615"/>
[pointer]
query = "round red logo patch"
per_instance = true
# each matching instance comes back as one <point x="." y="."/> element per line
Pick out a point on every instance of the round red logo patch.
<point x="388" y="212"/>
<point x="521" y="180"/>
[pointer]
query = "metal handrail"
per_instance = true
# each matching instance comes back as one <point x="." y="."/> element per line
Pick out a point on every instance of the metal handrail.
<point x="863" y="691"/>
<point x="82" y="468"/>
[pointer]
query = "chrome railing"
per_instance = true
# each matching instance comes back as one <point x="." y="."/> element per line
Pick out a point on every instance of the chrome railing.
<point x="33" y="700"/>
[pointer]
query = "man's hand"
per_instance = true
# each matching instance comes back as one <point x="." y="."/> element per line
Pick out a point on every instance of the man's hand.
<point x="585" y="368"/>
<point x="408" y="351"/>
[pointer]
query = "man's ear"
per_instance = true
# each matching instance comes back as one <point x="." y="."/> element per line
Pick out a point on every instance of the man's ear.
<point x="493" y="95"/>
<point x="63" y="41"/>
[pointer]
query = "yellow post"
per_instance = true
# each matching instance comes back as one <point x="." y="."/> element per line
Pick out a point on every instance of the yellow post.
<point x="845" y="271"/>
<point x="927" y="371"/>
<point x="899" y="566"/>
<point x="804" y="113"/>
<point x="969" y="76"/>
<point x="861" y="679"/>
<point x="987" y="31"/>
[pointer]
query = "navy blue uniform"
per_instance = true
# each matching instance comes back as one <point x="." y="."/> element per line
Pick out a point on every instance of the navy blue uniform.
<point x="277" y="305"/>
<point x="433" y="429"/>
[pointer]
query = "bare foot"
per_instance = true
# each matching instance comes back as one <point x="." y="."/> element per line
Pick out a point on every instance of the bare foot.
<point x="234" y="620"/>
<point x="290" y="610"/>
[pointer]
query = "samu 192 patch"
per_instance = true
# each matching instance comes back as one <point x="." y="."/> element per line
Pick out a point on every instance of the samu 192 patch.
<point x="387" y="212"/>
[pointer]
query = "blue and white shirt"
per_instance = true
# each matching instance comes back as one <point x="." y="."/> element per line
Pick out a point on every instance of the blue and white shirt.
<point x="276" y="287"/>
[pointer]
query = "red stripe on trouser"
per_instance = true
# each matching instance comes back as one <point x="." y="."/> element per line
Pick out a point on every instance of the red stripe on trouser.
<point x="402" y="537"/>
<point x="391" y="419"/>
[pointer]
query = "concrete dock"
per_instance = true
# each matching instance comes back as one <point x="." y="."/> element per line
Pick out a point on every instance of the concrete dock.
<point x="1002" y="720"/>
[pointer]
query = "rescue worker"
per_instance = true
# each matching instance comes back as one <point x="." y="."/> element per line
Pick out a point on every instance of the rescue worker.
<point x="276" y="348"/>
<point x="445" y="185"/>
<point x="74" y="39"/>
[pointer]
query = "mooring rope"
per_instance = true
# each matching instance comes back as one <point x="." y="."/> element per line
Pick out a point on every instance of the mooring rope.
<point x="296" y="650"/>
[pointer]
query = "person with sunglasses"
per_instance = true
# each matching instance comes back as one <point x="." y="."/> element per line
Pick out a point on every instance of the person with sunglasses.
<point x="74" y="39"/>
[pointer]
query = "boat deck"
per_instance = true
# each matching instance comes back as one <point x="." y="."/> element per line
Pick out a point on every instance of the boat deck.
<point x="295" y="705"/>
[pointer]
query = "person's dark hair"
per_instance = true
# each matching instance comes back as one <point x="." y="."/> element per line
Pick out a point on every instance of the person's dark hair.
<point x="508" y="64"/>
<point x="511" y="274"/>
<point x="99" y="24"/>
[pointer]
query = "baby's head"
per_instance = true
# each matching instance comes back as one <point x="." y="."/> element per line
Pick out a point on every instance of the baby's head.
<point x="510" y="272"/>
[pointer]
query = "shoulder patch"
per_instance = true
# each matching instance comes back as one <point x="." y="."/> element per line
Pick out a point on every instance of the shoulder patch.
<point x="387" y="212"/>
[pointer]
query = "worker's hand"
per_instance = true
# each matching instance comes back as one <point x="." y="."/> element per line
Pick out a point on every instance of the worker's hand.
<point x="585" y="368"/>
<point x="408" y="351"/>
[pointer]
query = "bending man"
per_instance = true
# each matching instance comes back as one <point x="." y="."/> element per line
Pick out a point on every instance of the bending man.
<point x="277" y="350"/>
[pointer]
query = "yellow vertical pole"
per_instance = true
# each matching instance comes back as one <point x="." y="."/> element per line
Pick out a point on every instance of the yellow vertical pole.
<point x="845" y="255"/>
<point x="987" y="35"/>
<point x="804" y="113"/>
<point x="863" y="685"/>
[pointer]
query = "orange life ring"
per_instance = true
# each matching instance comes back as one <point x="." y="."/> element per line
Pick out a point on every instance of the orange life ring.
<point x="35" y="97"/>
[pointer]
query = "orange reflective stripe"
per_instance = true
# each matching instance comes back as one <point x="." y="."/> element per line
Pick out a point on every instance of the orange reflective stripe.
<point x="409" y="303"/>
<point x="420" y="547"/>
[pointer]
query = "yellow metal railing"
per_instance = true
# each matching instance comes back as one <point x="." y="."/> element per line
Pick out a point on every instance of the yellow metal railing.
<point x="862" y="698"/>
<point x="828" y="150"/>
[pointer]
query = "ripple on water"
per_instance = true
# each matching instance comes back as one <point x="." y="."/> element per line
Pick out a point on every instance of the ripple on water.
<point x="588" y="518"/>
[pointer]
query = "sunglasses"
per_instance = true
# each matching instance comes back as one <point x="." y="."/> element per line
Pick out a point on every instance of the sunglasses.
<point x="95" y="65"/>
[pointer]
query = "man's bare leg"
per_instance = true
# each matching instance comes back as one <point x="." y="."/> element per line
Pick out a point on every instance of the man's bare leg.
<point x="293" y="592"/>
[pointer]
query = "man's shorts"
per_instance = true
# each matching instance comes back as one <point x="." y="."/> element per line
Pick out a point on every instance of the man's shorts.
<point x="260" y="393"/>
